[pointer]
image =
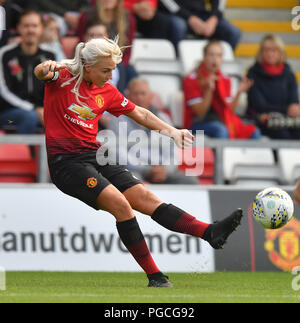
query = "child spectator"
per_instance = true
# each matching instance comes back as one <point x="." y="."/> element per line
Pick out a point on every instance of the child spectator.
<point x="275" y="88"/>
<point x="208" y="102"/>
<point x="202" y="21"/>
<point x="50" y="38"/>
<point x="95" y="29"/>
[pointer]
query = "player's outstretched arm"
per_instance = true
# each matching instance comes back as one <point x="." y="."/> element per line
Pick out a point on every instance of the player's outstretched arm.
<point x="182" y="138"/>
<point x="46" y="70"/>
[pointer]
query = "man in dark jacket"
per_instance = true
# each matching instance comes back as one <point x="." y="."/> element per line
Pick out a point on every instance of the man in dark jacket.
<point x="21" y="94"/>
<point x="200" y="20"/>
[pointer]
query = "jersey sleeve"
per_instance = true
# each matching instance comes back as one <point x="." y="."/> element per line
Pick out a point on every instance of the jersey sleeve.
<point x="119" y="104"/>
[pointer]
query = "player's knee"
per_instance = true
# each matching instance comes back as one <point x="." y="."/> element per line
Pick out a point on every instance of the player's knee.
<point x="121" y="209"/>
<point x="147" y="201"/>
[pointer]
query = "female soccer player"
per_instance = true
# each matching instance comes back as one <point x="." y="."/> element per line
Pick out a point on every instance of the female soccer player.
<point x="77" y="93"/>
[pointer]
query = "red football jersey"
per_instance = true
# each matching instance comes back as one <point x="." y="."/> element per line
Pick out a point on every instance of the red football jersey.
<point x="72" y="128"/>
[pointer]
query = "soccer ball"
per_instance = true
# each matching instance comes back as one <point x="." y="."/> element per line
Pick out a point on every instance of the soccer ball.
<point x="273" y="208"/>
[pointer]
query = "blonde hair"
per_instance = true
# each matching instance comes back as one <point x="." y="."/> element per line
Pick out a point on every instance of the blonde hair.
<point x="90" y="53"/>
<point x="120" y="20"/>
<point x="278" y="43"/>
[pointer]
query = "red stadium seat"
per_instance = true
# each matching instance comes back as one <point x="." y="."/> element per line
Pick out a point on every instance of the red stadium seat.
<point x="16" y="164"/>
<point x="207" y="176"/>
<point x="69" y="44"/>
<point x="14" y="153"/>
<point x="17" y="179"/>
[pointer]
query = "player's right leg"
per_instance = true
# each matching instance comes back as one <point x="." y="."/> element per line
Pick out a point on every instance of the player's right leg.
<point x="114" y="202"/>
<point x="175" y="219"/>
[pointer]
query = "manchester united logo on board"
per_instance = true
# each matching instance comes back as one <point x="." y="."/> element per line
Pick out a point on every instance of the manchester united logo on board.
<point x="92" y="182"/>
<point x="283" y="246"/>
<point x="99" y="100"/>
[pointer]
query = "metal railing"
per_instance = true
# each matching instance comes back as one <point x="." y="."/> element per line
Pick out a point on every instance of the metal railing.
<point x="217" y="145"/>
<point x="32" y="140"/>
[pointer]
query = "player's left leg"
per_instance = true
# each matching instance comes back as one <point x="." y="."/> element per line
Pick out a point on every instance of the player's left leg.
<point x="175" y="219"/>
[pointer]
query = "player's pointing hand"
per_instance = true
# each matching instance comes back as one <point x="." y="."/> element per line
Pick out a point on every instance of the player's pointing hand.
<point x="46" y="70"/>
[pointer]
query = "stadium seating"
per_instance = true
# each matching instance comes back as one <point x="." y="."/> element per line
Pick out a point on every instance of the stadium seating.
<point x="176" y="108"/>
<point x="155" y="61"/>
<point x="257" y="18"/>
<point x="207" y="167"/>
<point x="164" y="85"/>
<point x="160" y="49"/>
<point x="247" y="165"/>
<point x="16" y="164"/>
<point x="69" y="44"/>
<point x="289" y="160"/>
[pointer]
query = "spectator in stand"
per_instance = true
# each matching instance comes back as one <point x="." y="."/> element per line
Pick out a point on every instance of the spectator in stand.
<point x="21" y="94"/>
<point x="275" y="87"/>
<point x="117" y="20"/>
<point x="193" y="16"/>
<point x="139" y="92"/>
<point x="50" y="38"/>
<point x="66" y="12"/>
<point x="209" y="105"/>
<point x="151" y="23"/>
<point x="95" y="29"/>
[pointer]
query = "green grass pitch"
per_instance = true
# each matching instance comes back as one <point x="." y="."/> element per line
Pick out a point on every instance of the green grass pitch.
<point x="31" y="287"/>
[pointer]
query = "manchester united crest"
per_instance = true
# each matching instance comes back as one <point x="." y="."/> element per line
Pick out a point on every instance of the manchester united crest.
<point x="92" y="182"/>
<point x="99" y="100"/>
<point x="283" y="245"/>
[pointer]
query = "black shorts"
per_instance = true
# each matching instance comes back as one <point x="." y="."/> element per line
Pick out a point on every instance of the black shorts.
<point x="80" y="176"/>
